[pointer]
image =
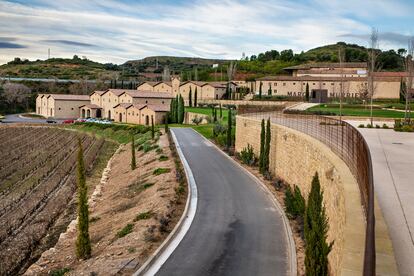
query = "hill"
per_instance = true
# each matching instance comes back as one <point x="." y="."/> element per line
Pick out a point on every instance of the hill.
<point x="62" y="68"/>
<point x="151" y="68"/>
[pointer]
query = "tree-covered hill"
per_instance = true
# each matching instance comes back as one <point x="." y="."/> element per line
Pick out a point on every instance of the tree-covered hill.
<point x="151" y="68"/>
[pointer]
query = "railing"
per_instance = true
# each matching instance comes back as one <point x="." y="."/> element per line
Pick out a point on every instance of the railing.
<point x="346" y="142"/>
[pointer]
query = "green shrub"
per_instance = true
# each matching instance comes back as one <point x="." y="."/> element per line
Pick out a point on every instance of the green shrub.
<point x="385" y="126"/>
<point x="377" y="126"/>
<point x="294" y="202"/>
<point x="369" y="126"/>
<point x="159" y="150"/>
<point x="180" y="190"/>
<point x="361" y="126"/>
<point x="143" y="216"/>
<point x="407" y="128"/>
<point x="163" y="158"/>
<point x="147" y="185"/>
<point x="397" y="123"/>
<point x="247" y="155"/>
<point x="159" y="171"/>
<point x="125" y="231"/>
<point x="60" y="272"/>
<point x="219" y="129"/>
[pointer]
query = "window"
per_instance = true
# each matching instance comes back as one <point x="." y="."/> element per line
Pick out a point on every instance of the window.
<point x="146" y="101"/>
<point x="294" y="83"/>
<point x="60" y="108"/>
<point x="332" y="83"/>
<point x="275" y="84"/>
<point x="162" y="102"/>
<point x="72" y="108"/>
<point x="313" y="83"/>
<point x="284" y="84"/>
<point x="132" y="113"/>
<point x="303" y="83"/>
<point x="129" y="113"/>
<point x="275" y="91"/>
<point x="324" y="83"/>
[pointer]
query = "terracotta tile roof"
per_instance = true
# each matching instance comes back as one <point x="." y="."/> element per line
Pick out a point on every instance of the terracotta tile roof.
<point x="148" y="94"/>
<point x="124" y="105"/>
<point x="327" y="65"/>
<point x="159" y="108"/>
<point x="69" y="97"/>
<point x="98" y="92"/>
<point x="164" y="82"/>
<point x="117" y="92"/>
<point x="198" y="83"/>
<point x="139" y="106"/>
<point x="216" y="84"/>
<point x="391" y="74"/>
<point x="91" y="106"/>
<point x="152" y="83"/>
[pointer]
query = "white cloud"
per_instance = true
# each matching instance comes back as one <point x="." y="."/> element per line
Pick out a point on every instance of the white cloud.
<point x="217" y="29"/>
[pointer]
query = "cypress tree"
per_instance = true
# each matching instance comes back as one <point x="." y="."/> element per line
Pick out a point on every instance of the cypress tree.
<point x="195" y="97"/>
<point x="262" y="146"/>
<point x="269" y="91"/>
<point x="260" y="90"/>
<point x="267" y="147"/>
<point x="166" y="123"/>
<point x="229" y="130"/>
<point x="133" y="162"/>
<point x="115" y="85"/>
<point x="316" y="232"/>
<point x="180" y="110"/>
<point x="307" y="92"/>
<point x="221" y="112"/>
<point x="152" y="128"/>
<point x="190" y="101"/>
<point x="83" y="243"/>
<point x="402" y="92"/>
<point x="176" y="104"/>
<point x="215" y="114"/>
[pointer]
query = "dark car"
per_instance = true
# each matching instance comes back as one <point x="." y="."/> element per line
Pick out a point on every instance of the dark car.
<point x="51" y="121"/>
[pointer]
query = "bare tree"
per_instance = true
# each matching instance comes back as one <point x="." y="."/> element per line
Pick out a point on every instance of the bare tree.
<point x="372" y="66"/>
<point x="16" y="93"/>
<point x="341" y="56"/>
<point x="231" y="70"/>
<point x="409" y="68"/>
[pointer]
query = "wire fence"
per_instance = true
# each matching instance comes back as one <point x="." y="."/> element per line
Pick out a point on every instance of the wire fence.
<point x="346" y="142"/>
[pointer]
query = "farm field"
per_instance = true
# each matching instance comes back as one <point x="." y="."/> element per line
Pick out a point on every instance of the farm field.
<point x="37" y="186"/>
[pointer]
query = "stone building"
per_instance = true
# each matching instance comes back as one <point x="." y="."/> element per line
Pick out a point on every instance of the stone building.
<point x="331" y="77"/>
<point x="60" y="106"/>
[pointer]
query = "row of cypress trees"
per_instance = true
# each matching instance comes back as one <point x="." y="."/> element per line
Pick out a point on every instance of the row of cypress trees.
<point x="177" y="110"/>
<point x="265" y="137"/>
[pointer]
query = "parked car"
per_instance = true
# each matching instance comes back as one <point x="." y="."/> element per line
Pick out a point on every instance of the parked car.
<point x="68" y="121"/>
<point x="80" y="120"/>
<point x="51" y="121"/>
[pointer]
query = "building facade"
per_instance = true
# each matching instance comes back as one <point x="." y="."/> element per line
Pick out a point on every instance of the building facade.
<point x="60" y="106"/>
<point x="350" y="78"/>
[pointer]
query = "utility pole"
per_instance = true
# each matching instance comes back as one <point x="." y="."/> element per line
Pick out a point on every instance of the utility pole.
<point x="48" y="53"/>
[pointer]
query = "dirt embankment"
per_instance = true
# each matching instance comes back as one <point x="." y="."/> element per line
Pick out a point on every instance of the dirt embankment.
<point x="131" y="213"/>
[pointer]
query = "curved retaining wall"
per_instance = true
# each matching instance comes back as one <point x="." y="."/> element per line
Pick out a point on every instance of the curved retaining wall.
<point x="295" y="157"/>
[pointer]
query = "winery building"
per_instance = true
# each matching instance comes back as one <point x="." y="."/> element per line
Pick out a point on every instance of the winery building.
<point x="330" y="77"/>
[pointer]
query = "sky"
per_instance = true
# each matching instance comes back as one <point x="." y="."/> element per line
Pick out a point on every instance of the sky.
<point x="117" y="31"/>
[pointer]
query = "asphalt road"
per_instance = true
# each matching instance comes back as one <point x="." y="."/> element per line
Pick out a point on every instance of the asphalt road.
<point x="16" y="118"/>
<point x="236" y="230"/>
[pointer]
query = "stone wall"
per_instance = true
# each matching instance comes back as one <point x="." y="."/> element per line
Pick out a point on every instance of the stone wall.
<point x="189" y="116"/>
<point x="295" y="157"/>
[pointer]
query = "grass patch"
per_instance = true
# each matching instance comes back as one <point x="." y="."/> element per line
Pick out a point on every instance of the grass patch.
<point x="33" y="115"/>
<point x="131" y="249"/>
<point x="357" y="110"/>
<point x="60" y="272"/>
<point x="143" y="216"/>
<point x="207" y="111"/>
<point x="125" y="231"/>
<point x="163" y="158"/>
<point x="120" y="133"/>
<point x="159" y="171"/>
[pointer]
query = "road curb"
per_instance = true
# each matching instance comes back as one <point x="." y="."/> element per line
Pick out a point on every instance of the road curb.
<point x="164" y="251"/>
<point x="291" y="243"/>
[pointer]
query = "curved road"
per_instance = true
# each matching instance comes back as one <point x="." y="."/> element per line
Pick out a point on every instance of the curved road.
<point x="237" y="230"/>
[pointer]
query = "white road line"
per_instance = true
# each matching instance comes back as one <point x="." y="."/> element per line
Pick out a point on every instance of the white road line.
<point x="161" y="255"/>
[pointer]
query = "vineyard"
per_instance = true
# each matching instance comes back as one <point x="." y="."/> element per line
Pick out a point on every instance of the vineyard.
<point x="37" y="183"/>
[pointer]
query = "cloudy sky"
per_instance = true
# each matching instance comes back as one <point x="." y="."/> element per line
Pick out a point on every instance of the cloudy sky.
<point x="117" y="31"/>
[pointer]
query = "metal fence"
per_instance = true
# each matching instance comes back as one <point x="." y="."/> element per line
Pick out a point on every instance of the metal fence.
<point x="346" y="142"/>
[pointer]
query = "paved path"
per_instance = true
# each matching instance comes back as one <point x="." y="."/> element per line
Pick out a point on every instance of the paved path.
<point x="237" y="229"/>
<point x="302" y="106"/>
<point x="16" y="118"/>
<point x="393" y="166"/>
